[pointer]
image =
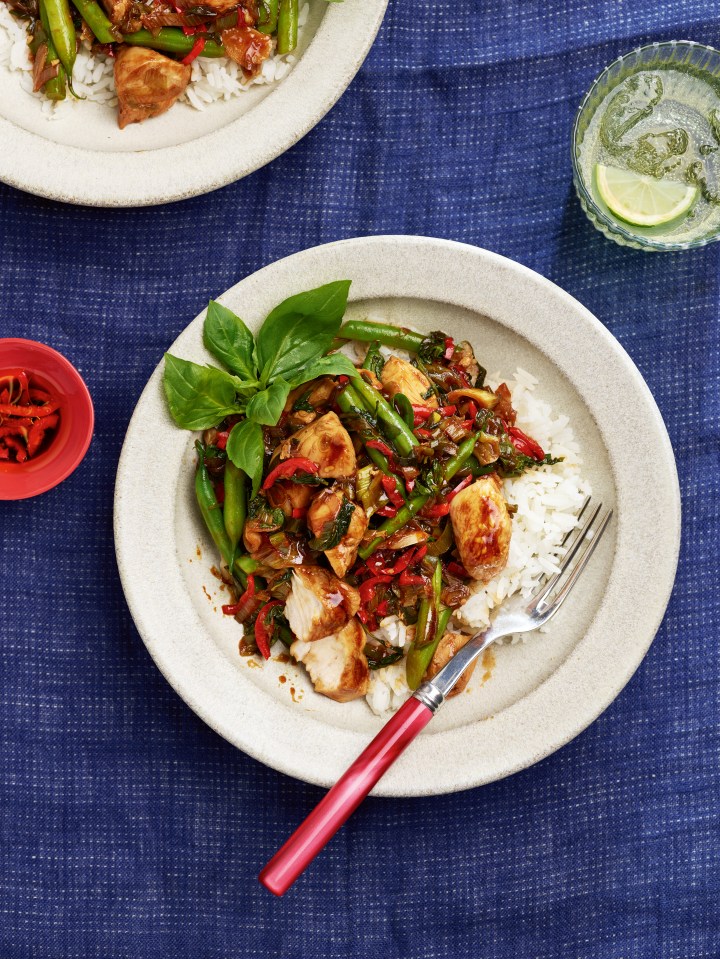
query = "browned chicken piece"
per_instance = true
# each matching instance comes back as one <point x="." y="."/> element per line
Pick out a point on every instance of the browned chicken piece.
<point x="327" y="443"/>
<point x="323" y="514"/>
<point x="319" y="603"/>
<point x="289" y="496"/>
<point x="482" y="527"/>
<point x="120" y="12"/>
<point x="147" y="83"/>
<point x="399" y="376"/>
<point x="464" y="359"/>
<point x="371" y="378"/>
<point x="248" y="48"/>
<point x="314" y="394"/>
<point x="450" y="644"/>
<point x="337" y="664"/>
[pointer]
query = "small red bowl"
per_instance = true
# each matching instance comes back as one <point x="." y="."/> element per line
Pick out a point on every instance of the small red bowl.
<point x="74" y="431"/>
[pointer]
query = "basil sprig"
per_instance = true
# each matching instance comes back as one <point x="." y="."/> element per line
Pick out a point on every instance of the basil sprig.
<point x="289" y="350"/>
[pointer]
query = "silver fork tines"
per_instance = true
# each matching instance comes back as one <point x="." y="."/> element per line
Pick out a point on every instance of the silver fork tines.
<point x="523" y="616"/>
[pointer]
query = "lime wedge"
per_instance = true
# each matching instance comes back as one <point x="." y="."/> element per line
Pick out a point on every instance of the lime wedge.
<point x="643" y="200"/>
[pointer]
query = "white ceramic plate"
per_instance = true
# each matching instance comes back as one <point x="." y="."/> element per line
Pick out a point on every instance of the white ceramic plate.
<point x="541" y="693"/>
<point x="84" y="158"/>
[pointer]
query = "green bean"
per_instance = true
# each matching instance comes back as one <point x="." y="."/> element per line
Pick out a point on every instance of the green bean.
<point x="397" y="336"/>
<point x="61" y="30"/>
<point x="418" y="660"/>
<point x="394" y="425"/>
<point x="267" y="16"/>
<point x="374" y="359"/>
<point x="416" y="503"/>
<point x="235" y="503"/>
<point x="456" y="463"/>
<point x="212" y="512"/>
<point x="246" y="564"/>
<point x="392" y="525"/>
<point x="287" y="26"/>
<point x="95" y="18"/>
<point x="426" y="629"/>
<point x="54" y="89"/>
<point x="172" y="40"/>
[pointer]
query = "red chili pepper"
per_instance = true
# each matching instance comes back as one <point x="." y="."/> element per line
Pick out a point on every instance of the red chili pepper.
<point x="389" y="484"/>
<point x="222" y="438"/>
<point x="421" y="413"/>
<point x="449" y="347"/>
<point x="36" y="435"/>
<point x="368" y="589"/>
<point x="20" y="451"/>
<point x="448" y="410"/>
<point x="232" y="609"/>
<point x="421" y="431"/>
<point x="11" y="409"/>
<point x="408" y="579"/>
<point x="434" y="512"/>
<point x="299" y="512"/>
<point x="456" y="569"/>
<point x="472" y="409"/>
<point x="460" y="486"/>
<point x="342" y="379"/>
<point x="383" y="608"/>
<point x="263" y="638"/>
<point x="409" y="558"/>
<point x="382" y="447"/>
<point x="297" y="464"/>
<point x="525" y="444"/>
<point x="388" y="511"/>
<point x="197" y="49"/>
<point x="462" y="374"/>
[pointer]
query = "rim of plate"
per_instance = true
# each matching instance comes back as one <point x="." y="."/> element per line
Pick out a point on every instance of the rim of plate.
<point x="297" y="103"/>
<point x="603" y="660"/>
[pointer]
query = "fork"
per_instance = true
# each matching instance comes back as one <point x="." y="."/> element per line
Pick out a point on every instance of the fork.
<point x="517" y="616"/>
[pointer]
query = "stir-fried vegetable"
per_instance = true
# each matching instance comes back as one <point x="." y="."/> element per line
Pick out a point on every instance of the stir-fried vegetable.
<point x="311" y="465"/>
<point x="152" y="44"/>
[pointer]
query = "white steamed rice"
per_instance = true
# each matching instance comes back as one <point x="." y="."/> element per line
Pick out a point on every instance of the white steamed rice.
<point x="548" y="500"/>
<point x="212" y="79"/>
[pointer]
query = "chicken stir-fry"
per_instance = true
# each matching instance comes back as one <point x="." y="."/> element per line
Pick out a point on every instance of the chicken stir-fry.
<point x="153" y="42"/>
<point x="381" y="500"/>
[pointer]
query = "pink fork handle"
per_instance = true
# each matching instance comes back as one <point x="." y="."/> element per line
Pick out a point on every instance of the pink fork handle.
<point x="344" y="797"/>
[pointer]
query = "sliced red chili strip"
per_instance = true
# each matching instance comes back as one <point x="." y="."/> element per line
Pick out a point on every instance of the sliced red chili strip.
<point x="297" y="464"/>
<point x="232" y="609"/>
<point x="457" y="569"/>
<point x="388" y="511"/>
<point x="421" y="413"/>
<point x="221" y="439"/>
<point x="382" y="447"/>
<point x="434" y="512"/>
<point x="389" y="484"/>
<point x="408" y="579"/>
<point x="11" y="409"/>
<point x="421" y="431"/>
<point x="449" y="347"/>
<point x="197" y="49"/>
<point x="525" y="444"/>
<point x="368" y="589"/>
<point x="263" y="638"/>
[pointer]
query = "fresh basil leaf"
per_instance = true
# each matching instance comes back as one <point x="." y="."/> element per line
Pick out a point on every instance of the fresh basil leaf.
<point x="246" y="449"/>
<point x="300" y="329"/>
<point x="198" y="396"/>
<point x="266" y="406"/>
<point x="336" y="365"/>
<point x="227" y="338"/>
<point x="333" y="531"/>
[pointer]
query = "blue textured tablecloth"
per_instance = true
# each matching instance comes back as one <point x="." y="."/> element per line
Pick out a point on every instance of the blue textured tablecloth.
<point x="129" y="829"/>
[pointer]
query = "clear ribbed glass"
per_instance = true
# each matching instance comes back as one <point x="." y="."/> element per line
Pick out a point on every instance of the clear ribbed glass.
<point x="684" y="56"/>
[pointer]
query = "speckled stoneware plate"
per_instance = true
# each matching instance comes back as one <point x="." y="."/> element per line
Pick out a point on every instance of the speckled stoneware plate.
<point x="541" y="693"/>
<point x="84" y="157"/>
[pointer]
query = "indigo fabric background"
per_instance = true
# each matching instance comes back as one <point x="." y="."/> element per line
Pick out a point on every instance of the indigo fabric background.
<point x="129" y="829"/>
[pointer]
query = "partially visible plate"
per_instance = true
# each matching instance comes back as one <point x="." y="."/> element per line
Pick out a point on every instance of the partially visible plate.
<point x="542" y="692"/>
<point x="84" y="157"/>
